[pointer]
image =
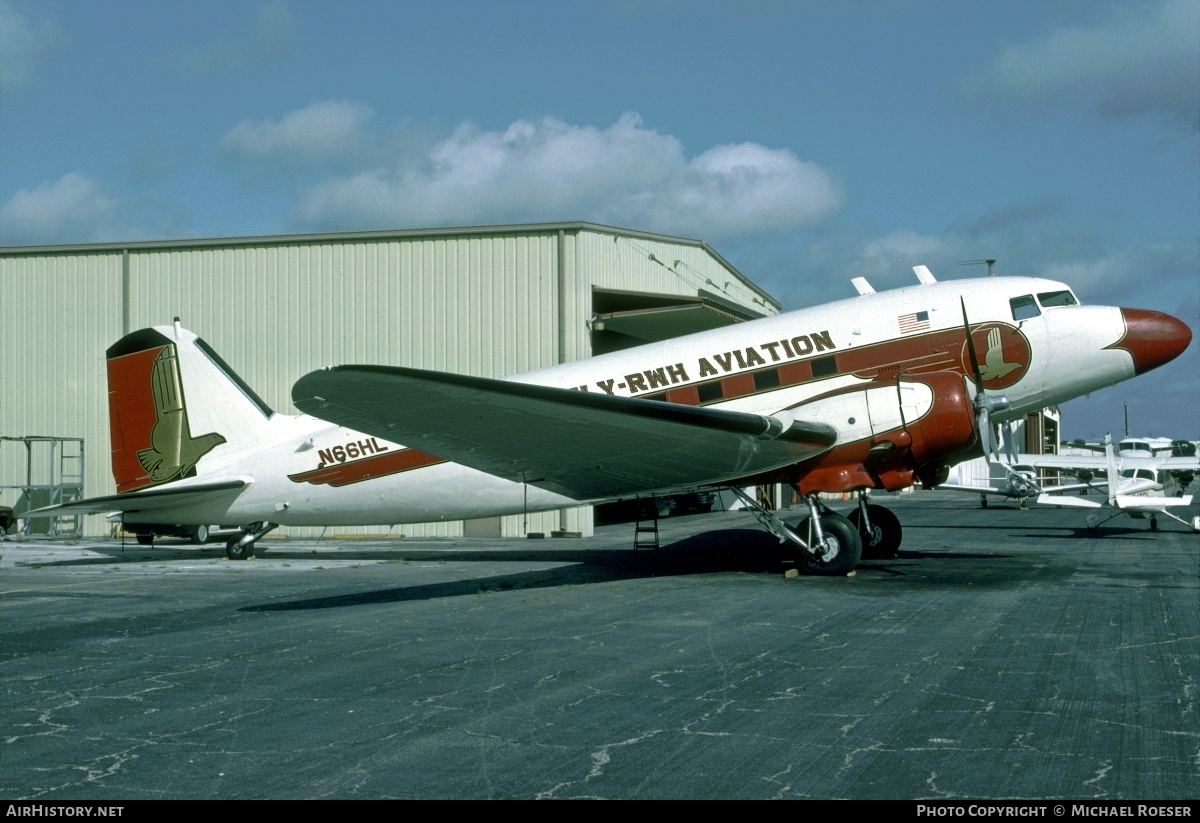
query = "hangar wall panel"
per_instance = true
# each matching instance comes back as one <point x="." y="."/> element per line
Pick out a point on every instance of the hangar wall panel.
<point x="54" y="382"/>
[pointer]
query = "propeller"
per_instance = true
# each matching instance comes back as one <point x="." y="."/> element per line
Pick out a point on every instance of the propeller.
<point x="985" y="405"/>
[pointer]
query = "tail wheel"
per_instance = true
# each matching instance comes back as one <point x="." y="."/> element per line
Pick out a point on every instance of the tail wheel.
<point x="882" y="542"/>
<point x="840" y="553"/>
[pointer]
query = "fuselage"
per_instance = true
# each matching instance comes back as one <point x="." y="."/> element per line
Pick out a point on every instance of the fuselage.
<point x="1034" y="345"/>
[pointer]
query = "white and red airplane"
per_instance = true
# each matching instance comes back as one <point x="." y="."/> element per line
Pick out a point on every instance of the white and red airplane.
<point x="879" y="391"/>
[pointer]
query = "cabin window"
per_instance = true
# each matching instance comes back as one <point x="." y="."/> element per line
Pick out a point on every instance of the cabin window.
<point x="1024" y="307"/>
<point x="709" y="392"/>
<point x="824" y="366"/>
<point x="764" y="380"/>
<point x="1050" y="299"/>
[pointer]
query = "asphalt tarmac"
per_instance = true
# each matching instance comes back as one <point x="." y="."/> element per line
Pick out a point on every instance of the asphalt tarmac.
<point x="1004" y="654"/>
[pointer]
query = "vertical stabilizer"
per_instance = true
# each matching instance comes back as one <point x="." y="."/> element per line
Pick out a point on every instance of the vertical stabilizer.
<point x="1114" y="475"/>
<point x="172" y="403"/>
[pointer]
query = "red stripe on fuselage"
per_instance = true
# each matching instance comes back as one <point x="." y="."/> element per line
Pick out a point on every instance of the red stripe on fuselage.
<point x="918" y="354"/>
<point x="356" y="471"/>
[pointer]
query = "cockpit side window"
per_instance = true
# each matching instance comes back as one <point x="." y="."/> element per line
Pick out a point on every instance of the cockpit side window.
<point x="1024" y="307"/>
<point x="1050" y="299"/>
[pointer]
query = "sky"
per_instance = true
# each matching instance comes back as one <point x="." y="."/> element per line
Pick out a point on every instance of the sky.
<point x="807" y="142"/>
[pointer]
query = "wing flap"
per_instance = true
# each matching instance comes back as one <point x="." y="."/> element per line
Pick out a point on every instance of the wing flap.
<point x="584" y="445"/>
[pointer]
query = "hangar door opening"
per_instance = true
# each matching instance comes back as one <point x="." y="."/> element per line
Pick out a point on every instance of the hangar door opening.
<point x="624" y="319"/>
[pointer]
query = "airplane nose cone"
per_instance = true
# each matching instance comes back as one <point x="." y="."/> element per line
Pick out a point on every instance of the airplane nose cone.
<point x="1153" y="338"/>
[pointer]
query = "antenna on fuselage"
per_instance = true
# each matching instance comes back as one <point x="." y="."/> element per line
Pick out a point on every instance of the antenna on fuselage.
<point x="991" y="264"/>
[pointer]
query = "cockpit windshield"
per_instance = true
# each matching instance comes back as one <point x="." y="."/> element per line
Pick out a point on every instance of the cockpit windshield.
<point x="1051" y="299"/>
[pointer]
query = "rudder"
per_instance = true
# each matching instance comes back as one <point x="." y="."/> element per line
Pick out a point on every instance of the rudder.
<point x="150" y="373"/>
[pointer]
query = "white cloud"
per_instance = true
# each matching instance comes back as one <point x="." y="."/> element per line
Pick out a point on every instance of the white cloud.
<point x="72" y="209"/>
<point x="551" y="170"/>
<point x="320" y="134"/>
<point x="896" y="252"/>
<point x="270" y="38"/>
<point x="1142" y="58"/>
<point x="23" y="41"/>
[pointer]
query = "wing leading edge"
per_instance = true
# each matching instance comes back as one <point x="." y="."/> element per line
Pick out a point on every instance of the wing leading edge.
<point x="583" y="445"/>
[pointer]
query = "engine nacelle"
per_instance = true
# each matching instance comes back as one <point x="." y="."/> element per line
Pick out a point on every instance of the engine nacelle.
<point x="890" y="434"/>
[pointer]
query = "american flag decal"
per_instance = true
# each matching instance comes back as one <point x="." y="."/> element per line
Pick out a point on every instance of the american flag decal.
<point x="909" y="323"/>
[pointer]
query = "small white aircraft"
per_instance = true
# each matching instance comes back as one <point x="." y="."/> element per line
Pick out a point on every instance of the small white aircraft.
<point x="874" y="392"/>
<point x="1136" y="490"/>
<point x="1018" y="483"/>
<point x="1157" y="454"/>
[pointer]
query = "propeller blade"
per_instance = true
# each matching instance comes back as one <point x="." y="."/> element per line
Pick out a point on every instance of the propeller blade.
<point x="971" y="350"/>
<point x="985" y="432"/>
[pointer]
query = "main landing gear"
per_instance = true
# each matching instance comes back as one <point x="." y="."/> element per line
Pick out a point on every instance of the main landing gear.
<point x="878" y="529"/>
<point x="241" y="545"/>
<point x="829" y="543"/>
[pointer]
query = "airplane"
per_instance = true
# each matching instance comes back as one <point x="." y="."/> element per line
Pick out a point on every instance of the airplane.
<point x="875" y="392"/>
<point x="1156" y="453"/>
<point x="1174" y="465"/>
<point x="1133" y="490"/>
<point x="1019" y="483"/>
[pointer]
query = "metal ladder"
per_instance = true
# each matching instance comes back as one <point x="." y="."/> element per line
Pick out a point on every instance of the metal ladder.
<point x="646" y="537"/>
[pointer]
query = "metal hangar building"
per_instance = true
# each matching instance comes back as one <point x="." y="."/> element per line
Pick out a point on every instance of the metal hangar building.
<point x="488" y="301"/>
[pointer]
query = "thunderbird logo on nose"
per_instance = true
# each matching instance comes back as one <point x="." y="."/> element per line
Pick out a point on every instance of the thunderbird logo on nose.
<point x="1006" y="354"/>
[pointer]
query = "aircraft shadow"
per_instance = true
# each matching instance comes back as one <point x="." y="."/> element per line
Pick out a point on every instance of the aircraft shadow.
<point x="726" y="550"/>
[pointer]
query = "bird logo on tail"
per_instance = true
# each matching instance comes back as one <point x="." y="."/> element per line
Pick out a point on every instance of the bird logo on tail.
<point x="173" y="452"/>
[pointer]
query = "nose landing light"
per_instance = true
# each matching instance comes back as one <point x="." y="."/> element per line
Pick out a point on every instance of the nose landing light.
<point x="1152" y="338"/>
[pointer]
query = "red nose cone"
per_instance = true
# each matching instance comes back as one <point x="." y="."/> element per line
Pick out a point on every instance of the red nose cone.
<point x="1153" y="338"/>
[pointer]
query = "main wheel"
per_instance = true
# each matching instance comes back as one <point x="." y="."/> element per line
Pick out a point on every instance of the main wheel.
<point x="842" y="549"/>
<point x="234" y="549"/>
<point x="200" y="535"/>
<point x="145" y="539"/>
<point x="882" y="542"/>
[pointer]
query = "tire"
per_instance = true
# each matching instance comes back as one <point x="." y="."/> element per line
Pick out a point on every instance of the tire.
<point x="235" y="551"/>
<point x="883" y="542"/>
<point x="145" y="539"/>
<point x="843" y="548"/>
<point x="200" y="535"/>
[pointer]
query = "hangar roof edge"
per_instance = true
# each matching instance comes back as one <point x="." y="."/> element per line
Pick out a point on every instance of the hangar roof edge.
<point x="379" y="234"/>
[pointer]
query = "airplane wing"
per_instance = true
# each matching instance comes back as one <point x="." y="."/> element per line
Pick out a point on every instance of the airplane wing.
<point x="584" y="445"/>
<point x="952" y="487"/>
<point x="1178" y="463"/>
<point x="1069" y="462"/>
<point x="147" y="501"/>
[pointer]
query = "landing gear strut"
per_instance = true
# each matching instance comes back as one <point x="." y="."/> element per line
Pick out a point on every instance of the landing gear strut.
<point x="828" y="543"/>
<point x="241" y="546"/>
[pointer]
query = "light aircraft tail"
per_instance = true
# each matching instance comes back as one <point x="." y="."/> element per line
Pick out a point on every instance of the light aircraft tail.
<point x="176" y="408"/>
<point x="1114" y="475"/>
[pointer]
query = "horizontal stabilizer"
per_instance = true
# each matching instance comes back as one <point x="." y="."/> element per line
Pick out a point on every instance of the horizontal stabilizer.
<point x="584" y="445"/>
<point x="1141" y="502"/>
<point x="148" y="501"/>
